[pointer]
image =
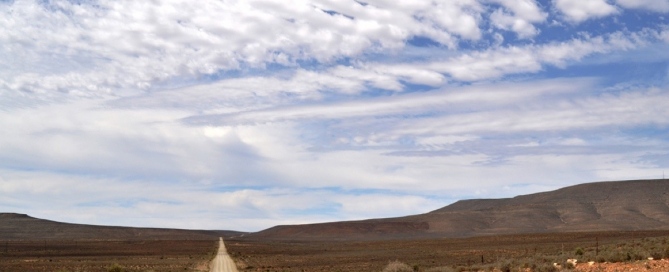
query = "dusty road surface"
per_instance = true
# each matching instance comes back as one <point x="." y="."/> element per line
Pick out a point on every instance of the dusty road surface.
<point x="223" y="262"/>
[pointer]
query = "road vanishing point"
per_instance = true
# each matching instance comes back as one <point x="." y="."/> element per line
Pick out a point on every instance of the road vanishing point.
<point x="223" y="262"/>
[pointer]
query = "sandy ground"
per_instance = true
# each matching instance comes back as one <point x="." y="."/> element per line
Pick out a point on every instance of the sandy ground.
<point x="223" y="262"/>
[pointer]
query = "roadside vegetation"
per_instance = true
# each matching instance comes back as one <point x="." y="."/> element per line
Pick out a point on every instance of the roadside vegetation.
<point x="107" y="256"/>
<point x="644" y="249"/>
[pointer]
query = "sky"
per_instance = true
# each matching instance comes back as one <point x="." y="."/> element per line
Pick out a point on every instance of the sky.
<point x="243" y="115"/>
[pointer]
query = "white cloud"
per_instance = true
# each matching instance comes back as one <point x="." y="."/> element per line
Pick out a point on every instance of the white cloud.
<point x="460" y="17"/>
<point x="408" y="73"/>
<point x="652" y="5"/>
<point x="498" y="62"/>
<point x="123" y="47"/>
<point x="444" y="140"/>
<point x="375" y="79"/>
<point x="409" y="104"/>
<point x="85" y="138"/>
<point x="503" y="20"/>
<point x="86" y="49"/>
<point x="573" y="141"/>
<point x="525" y="14"/>
<point x="580" y="10"/>
<point x="187" y="168"/>
<point x="183" y="205"/>
<point x="489" y="64"/>
<point x="606" y="111"/>
<point x="526" y="9"/>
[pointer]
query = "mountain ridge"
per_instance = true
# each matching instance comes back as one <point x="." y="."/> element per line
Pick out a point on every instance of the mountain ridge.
<point x="17" y="226"/>
<point x="598" y="206"/>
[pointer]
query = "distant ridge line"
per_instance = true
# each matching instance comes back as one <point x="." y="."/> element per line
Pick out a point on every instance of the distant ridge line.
<point x="631" y="205"/>
<point x="17" y="226"/>
<point x="628" y="205"/>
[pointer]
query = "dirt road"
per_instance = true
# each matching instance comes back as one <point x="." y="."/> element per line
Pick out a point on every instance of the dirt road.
<point x="223" y="262"/>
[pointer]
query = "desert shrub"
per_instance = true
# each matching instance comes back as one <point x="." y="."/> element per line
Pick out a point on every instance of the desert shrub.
<point x="579" y="251"/>
<point x="665" y="253"/>
<point x="600" y="259"/>
<point x="462" y="268"/>
<point x="614" y="257"/>
<point x="505" y="266"/>
<point x="634" y="255"/>
<point x="545" y="267"/>
<point x="116" y="268"/>
<point x="634" y="251"/>
<point x="397" y="266"/>
<point x="441" y="269"/>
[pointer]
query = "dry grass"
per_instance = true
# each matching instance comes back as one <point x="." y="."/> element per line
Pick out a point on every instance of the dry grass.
<point x="530" y="252"/>
<point x="536" y="252"/>
<point x="397" y="266"/>
<point x="106" y="256"/>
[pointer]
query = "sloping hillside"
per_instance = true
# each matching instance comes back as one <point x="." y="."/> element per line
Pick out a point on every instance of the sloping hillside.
<point x="601" y="206"/>
<point x="23" y="227"/>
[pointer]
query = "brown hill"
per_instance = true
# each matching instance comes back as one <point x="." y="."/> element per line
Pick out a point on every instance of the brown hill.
<point x="15" y="226"/>
<point x="601" y="206"/>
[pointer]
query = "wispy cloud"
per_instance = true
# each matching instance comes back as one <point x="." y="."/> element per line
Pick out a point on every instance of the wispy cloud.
<point x="578" y="11"/>
<point x="651" y="5"/>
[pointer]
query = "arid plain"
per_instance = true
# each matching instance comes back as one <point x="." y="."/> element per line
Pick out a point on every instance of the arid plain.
<point x="601" y="225"/>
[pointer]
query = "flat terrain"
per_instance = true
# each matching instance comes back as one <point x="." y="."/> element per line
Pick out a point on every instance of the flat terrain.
<point x="257" y="255"/>
<point x="423" y="254"/>
<point x="54" y="255"/>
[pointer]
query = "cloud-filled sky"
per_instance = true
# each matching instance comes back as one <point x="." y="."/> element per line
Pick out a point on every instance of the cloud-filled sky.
<point x="243" y="115"/>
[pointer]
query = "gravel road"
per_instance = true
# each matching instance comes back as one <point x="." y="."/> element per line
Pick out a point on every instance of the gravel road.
<point x="223" y="262"/>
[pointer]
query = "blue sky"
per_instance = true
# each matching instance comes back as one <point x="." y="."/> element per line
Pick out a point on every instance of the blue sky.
<point x="248" y="114"/>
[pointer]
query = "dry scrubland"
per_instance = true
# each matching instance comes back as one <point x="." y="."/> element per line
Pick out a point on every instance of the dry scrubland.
<point x="533" y="252"/>
<point x="416" y="243"/>
<point x="107" y="256"/>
